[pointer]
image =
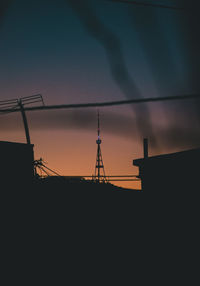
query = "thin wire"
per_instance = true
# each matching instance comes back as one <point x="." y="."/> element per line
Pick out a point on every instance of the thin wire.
<point x="51" y="170"/>
<point x="45" y="171"/>
<point x="104" y="104"/>
<point x="146" y="4"/>
<point x="6" y="112"/>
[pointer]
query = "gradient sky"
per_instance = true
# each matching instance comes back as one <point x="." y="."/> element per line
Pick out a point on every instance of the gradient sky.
<point x="72" y="55"/>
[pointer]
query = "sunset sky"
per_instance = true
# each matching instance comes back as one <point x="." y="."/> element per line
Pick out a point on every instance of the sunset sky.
<point x="94" y="51"/>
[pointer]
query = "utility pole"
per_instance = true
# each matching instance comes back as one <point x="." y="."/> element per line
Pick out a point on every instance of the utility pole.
<point x="21" y="106"/>
<point x="15" y="105"/>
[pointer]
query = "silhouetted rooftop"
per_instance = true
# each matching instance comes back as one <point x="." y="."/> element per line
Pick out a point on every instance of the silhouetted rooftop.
<point x="18" y="144"/>
<point x="187" y="154"/>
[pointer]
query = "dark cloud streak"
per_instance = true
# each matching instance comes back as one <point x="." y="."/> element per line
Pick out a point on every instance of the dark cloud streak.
<point x="183" y="117"/>
<point x="179" y="132"/>
<point x="4" y="5"/>
<point x="112" y="123"/>
<point x="111" y="43"/>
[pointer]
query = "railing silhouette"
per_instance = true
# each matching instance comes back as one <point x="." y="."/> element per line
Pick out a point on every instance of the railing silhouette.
<point x="40" y="165"/>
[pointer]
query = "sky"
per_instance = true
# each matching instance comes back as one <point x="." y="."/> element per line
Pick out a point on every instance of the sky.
<point x="95" y="51"/>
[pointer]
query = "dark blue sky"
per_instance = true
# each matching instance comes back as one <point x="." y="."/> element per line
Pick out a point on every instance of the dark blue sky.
<point x="46" y="48"/>
<point x="102" y="51"/>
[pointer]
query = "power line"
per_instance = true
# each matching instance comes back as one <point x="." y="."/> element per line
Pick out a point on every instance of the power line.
<point x="146" y="4"/>
<point x="104" y="104"/>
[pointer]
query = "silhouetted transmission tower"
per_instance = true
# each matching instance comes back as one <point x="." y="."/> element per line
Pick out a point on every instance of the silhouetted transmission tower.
<point x="99" y="160"/>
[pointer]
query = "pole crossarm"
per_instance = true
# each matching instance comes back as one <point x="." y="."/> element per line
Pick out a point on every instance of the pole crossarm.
<point x="7" y="106"/>
<point x="14" y="105"/>
<point x="32" y="99"/>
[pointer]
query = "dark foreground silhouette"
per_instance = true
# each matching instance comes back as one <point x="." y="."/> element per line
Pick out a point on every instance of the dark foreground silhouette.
<point x="61" y="190"/>
<point x="57" y="197"/>
<point x="76" y="186"/>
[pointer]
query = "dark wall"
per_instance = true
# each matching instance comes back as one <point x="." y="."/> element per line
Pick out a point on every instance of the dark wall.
<point x="16" y="165"/>
<point x="171" y="174"/>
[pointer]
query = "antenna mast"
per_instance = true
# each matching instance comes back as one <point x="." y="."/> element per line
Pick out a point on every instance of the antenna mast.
<point x="13" y="105"/>
<point x="99" y="160"/>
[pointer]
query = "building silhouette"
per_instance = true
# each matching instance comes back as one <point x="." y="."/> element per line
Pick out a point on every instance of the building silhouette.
<point x="17" y="163"/>
<point x="169" y="172"/>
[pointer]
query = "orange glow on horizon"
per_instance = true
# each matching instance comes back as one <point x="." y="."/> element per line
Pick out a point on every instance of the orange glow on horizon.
<point x="73" y="153"/>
